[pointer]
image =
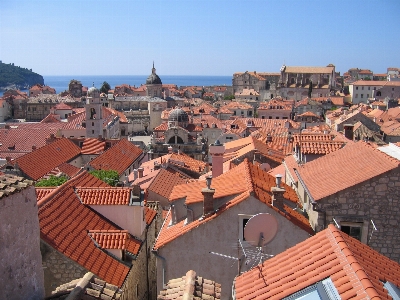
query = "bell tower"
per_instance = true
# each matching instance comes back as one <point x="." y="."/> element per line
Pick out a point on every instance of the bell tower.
<point x="94" y="114"/>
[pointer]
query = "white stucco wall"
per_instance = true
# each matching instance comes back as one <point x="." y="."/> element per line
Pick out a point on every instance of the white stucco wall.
<point x="191" y="251"/>
<point x="129" y="218"/>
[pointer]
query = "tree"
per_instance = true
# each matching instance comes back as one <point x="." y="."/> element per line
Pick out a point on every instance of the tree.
<point x="105" y="87"/>
<point x="367" y="78"/>
<point x="52" y="181"/>
<point x="229" y="97"/>
<point x="346" y="90"/>
<point x="310" y="90"/>
<point x="110" y="177"/>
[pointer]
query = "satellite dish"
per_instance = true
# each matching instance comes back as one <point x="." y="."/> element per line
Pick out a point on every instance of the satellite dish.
<point x="260" y="229"/>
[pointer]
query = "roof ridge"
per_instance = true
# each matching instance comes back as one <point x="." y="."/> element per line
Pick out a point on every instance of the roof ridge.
<point x="353" y="262"/>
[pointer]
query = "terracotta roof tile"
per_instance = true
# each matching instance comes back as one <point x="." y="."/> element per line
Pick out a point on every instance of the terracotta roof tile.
<point x="190" y="286"/>
<point x="93" y="146"/>
<point x="64" y="225"/>
<point x="165" y="180"/>
<point x="239" y="182"/>
<point x="41" y="161"/>
<point x="118" y="158"/>
<point x="114" y="239"/>
<point x="355" y="269"/>
<point x="150" y="212"/>
<point x="42" y="192"/>
<point x="104" y="195"/>
<point x="356" y="162"/>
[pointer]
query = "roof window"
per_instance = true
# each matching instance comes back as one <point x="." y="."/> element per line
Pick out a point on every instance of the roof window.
<point x="324" y="290"/>
<point x="392" y="289"/>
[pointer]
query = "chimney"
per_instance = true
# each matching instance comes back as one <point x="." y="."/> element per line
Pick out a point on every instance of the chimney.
<point x="348" y="131"/>
<point x="140" y="171"/>
<point x="217" y="151"/>
<point x="170" y="149"/>
<point x="33" y="147"/>
<point x="135" y="174"/>
<point x="208" y="194"/>
<point x="277" y="193"/>
<point x="269" y="138"/>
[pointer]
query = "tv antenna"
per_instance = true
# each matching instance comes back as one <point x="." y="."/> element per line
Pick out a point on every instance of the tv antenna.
<point x="258" y="232"/>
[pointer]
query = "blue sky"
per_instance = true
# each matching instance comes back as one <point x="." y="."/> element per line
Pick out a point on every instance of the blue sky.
<point x="197" y="37"/>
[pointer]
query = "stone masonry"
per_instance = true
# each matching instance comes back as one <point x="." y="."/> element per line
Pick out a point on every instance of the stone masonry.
<point x="377" y="199"/>
<point x="58" y="269"/>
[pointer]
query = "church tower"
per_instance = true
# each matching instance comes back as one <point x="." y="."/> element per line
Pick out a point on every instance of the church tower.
<point x="94" y="114"/>
<point x="154" y="84"/>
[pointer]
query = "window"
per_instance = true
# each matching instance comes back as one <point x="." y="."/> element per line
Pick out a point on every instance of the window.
<point x="352" y="229"/>
<point x="356" y="95"/>
<point x="242" y="223"/>
<point x="362" y="88"/>
<point x="356" y="87"/>
<point x="369" y="88"/>
<point x="362" y="95"/>
<point x="324" y="289"/>
<point x="92" y="131"/>
<point x="392" y="289"/>
<point x="229" y="138"/>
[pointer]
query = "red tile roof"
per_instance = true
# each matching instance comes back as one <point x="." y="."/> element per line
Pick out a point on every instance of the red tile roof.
<point x="68" y="169"/>
<point x="150" y="212"/>
<point x="93" y="146"/>
<point x="118" y="158"/>
<point x="317" y="143"/>
<point x="25" y="136"/>
<point x="42" y="192"/>
<point x="190" y="287"/>
<point x="41" y="161"/>
<point x="238" y="182"/>
<point x="355" y="269"/>
<point x="339" y="170"/>
<point x="64" y="225"/>
<point x="104" y="195"/>
<point x="165" y="180"/>
<point x="114" y="239"/>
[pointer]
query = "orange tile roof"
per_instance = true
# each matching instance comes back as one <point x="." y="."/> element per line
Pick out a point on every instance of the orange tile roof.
<point x="93" y="146"/>
<point x="346" y="167"/>
<point x="114" y="239"/>
<point x="41" y="161"/>
<point x="180" y="160"/>
<point x="149" y="214"/>
<point x="238" y="182"/>
<point x="317" y="143"/>
<point x="68" y="169"/>
<point x="25" y="136"/>
<point x="355" y="269"/>
<point x="118" y="158"/>
<point x="64" y="225"/>
<point x="190" y="286"/>
<point x="104" y="195"/>
<point x="51" y="118"/>
<point x="165" y="180"/>
<point x="42" y="192"/>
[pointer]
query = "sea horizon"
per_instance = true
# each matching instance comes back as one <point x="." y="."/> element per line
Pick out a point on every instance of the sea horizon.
<point x="60" y="82"/>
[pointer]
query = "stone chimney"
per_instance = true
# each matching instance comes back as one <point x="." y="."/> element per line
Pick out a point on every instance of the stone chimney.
<point x="169" y="149"/>
<point x="135" y="174"/>
<point x="217" y="151"/>
<point x="277" y="193"/>
<point x="348" y="131"/>
<point x="208" y="194"/>
<point x="140" y="171"/>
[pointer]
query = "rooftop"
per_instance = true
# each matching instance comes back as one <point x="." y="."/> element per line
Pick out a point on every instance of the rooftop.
<point x="357" y="271"/>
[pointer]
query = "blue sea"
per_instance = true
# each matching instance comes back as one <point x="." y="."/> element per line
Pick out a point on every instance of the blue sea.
<point x="60" y="83"/>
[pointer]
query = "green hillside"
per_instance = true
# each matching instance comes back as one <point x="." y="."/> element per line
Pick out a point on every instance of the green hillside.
<point x="16" y="77"/>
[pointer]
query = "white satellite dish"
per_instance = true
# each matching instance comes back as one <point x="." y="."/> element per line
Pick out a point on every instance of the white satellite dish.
<point x="260" y="229"/>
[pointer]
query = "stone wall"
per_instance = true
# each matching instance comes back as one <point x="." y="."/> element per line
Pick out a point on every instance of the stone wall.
<point x="377" y="199"/>
<point x="58" y="269"/>
<point x="141" y="280"/>
<point x="21" y="273"/>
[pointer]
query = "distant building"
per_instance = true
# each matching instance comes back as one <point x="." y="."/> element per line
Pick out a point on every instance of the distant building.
<point x="75" y="88"/>
<point x="294" y="82"/>
<point x="263" y="83"/>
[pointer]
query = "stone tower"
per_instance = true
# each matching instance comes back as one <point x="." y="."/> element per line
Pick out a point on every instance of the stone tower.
<point x="154" y="84"/>
<point x="94" y="114"/>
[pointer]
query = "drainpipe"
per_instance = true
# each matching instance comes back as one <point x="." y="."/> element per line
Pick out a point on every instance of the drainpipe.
<point x="164" y="261"/>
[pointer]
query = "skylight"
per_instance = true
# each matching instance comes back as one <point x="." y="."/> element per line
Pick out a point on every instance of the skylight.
<point x="322" y="290"/>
